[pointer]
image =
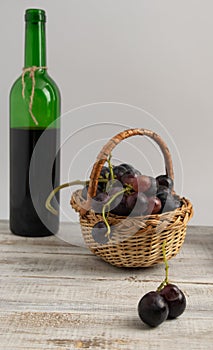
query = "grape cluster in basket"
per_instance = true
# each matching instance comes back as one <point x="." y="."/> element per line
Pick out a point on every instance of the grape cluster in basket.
<point x="124" y="191"/>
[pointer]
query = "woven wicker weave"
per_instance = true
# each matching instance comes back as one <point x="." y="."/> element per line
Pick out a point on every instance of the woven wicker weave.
<point x="136" y="241"/>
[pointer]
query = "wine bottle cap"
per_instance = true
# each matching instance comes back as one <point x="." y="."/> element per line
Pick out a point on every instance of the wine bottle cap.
<point x="35" y="15"/>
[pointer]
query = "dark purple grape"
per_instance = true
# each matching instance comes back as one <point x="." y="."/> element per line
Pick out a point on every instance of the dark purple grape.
<point x="172" y="202"/>
<point x="141" y="205"/>
<point x="104" y="174"/>
<point x="137" y="203"/>
<point x="98" y="201"/>
<point x="114" y="191"/>
<point x="121" y="209"/>
<point x="175" y="299"/>
<point x="144" y="183"/>
<point x="114" y="187"/>
<point x="163" y="190"/>
<point x="164" y="180"/>
<point x="99" y="231"/>
<point x="131" y="200"/>
<point x="130" y="179"/>
<point x="152" y="190"/>
<point x="128" y="167"/>
<point x="153" y="309"/>
<point x="85" y="190"/>
<point x="113" y="184"/>
<point x="119" y="171"/>
<point x="162" y="194"/>
<point x="123" y="169"/>
<point x="154" y="205"/>
<point x="178" y="200"/>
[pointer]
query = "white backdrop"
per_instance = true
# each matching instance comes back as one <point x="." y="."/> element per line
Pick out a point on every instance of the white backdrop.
<point x="155" y="55"/>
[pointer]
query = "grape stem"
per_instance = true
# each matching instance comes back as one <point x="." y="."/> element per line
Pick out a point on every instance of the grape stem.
<point x="166" y="280"/>
<point x="48" y="204"/>
<point x="107" y="205"/>
<point x="52" y="194"/>
<point x="110" y="167"/>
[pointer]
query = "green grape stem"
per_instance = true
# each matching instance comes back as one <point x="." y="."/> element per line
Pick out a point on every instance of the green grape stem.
<point x="107" y="205"/>
<point x="52" y="194"/>
<point x="110" y="167"/>
<point x="166" y="280"/>
<point x="48" y="204"/>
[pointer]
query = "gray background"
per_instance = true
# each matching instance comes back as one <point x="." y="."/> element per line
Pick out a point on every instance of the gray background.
<point x="155" y="55"/>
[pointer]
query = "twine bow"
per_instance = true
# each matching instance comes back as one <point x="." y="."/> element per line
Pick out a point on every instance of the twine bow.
<point x="32" y="71"/>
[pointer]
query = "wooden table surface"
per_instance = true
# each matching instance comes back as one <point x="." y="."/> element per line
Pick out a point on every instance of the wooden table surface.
<point x="54" y="295"/>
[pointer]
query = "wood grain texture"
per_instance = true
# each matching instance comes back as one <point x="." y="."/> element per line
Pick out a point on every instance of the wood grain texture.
<point x="54" y="295"/>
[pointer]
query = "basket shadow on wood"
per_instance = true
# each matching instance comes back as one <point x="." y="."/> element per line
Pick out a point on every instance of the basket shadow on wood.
<point x="136" y="241"/>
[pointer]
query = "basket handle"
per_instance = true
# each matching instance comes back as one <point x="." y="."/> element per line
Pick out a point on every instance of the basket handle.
<point x="111" y="144"/>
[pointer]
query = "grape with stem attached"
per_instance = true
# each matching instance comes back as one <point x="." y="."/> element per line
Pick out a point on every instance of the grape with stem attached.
<point x="167" y="302"/>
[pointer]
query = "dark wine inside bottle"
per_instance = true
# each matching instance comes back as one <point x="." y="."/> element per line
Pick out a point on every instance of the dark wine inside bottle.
<point x="32" y="178"/>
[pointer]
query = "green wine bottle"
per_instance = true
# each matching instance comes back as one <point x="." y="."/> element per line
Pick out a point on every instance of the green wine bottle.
<point x="34" y="120"/>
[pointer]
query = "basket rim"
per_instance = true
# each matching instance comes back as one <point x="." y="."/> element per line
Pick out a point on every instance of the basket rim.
<point x="77" y="201"/>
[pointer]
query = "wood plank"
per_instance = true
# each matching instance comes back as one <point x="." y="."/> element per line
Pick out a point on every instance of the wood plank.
<point x="90" y="267"/>
<point x="52" y="257"/>
<point x="65" y="331"/>
<point x="55" y="295"/>
<point x="77" y="294"/>
<point x="69" y="312"/>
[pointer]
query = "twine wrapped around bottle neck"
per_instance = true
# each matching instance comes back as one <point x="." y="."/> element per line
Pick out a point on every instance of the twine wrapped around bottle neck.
<point x="32" y="71"/>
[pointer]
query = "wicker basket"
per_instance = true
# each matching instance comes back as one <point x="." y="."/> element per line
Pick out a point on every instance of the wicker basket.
<point x="136" y="241"/>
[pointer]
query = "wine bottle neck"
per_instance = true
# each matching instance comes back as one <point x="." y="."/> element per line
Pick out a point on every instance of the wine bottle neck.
<point x="35" y="44"/>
